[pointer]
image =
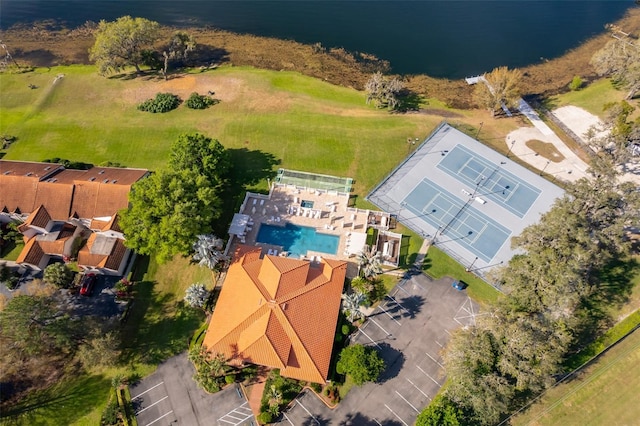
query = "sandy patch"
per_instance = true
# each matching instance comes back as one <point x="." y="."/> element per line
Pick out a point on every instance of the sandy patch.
<point x="578" y="120"/>
<point x="571" y="168"/>
<point x="225" y="88"/>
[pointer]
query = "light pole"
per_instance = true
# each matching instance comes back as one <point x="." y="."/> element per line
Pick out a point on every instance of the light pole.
<point x="513" y="142"/>
<point x="545" y="166"/>
<point x="468" y="269"/>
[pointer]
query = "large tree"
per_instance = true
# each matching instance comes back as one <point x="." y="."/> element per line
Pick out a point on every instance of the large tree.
<point x="122" y="43"/>
<point x="167" y="212"/>
<point x="384" y="91"/>
<point x="620" y="59"/>
<point x="178" y="49"/>
<point x="202" y="154"/>
<point x="58" y="274"/>
<point x="34" y="325"/>
<point x="499" y="87"/>
<point x="360" y="362"/>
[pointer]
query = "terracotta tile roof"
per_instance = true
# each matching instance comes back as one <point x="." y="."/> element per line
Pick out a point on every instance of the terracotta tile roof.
<point x="56" y="198"/>
<point x="116" y="256"/>
<point x="278" y="312"/>
<point x="32" y="170"/>
<point x="97" y="192"/>
<point x="40" y="218"/>
<point x="31" y="253"/>
<point x="90" y="256"/>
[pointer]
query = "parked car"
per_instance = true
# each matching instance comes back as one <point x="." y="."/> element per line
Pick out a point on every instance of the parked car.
<point x="459" y="285"/>
<point x="87" y="283"/>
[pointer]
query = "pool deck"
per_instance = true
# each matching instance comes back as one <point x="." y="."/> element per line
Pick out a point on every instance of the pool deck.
<point x="331" y="214"/>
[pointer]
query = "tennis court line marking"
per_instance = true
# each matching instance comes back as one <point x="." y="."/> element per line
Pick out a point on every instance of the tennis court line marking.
<point x="397" y="416"/>
<point x="155" y="403"/>
<point x="410" y="404"/>
<point x="148" y="390"/>
<point x="159" y="418"/>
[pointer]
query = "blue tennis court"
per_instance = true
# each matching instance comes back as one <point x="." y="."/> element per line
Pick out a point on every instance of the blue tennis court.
<point x="456" y="220"/>
<point x="489" y="180"/>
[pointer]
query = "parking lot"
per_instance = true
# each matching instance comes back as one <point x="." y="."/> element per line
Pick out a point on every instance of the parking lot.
<point x="409" y="329"/>
<point x="170" y="396"/>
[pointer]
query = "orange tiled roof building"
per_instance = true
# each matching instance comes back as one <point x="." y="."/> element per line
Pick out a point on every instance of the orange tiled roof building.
<point x="278" y="312"/>
<point x="56" y="207"/>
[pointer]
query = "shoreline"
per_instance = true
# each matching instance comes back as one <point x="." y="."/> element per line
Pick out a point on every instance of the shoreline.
<point x="47" y="43"/>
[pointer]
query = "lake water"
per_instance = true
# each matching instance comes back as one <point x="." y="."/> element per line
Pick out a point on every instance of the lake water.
<point x="440" y="38"/>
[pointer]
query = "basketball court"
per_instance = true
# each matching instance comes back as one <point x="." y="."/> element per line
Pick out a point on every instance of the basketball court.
<point x="468" y="199"/>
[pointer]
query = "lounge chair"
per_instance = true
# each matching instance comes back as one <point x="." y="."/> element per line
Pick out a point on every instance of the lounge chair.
<point x="262" y="202"/>
<point x="254" y="200"/>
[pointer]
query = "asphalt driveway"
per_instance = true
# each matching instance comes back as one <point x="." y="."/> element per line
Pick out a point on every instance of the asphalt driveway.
<point x="409" y="329"/>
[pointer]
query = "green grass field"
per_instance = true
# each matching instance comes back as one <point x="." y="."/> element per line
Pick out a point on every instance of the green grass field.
<point x="606" y="394"/>
<point x="305" y="123"/>
<point x="592" y="98"/>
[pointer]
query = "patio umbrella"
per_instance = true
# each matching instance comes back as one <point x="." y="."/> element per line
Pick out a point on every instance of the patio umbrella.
<point x="264" y="211"/>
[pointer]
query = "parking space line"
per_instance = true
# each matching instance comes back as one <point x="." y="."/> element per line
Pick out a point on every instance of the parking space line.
<point x="290" y="422"/>
<point x="367" y="336"/>
<point x="308" y="412"/>
<point x="438" y="343"/>
<point x="155" y="403"/>
<point x="148" y="390"/>
<point x="427" y="374"/>
<point x="381" y="328"/>
<point x="388" y="314"/>
<point x="402" y="288"/>
<point x="419" y="390"/>
<point x="397" y="416"/>
<point x="410" y="404"/>
<point x="397" y="303"/>
<point x="376" y="420"/>
<point x="434" y="360"/>
<point x="159" y="418"/>
<point x="240" y="415"/>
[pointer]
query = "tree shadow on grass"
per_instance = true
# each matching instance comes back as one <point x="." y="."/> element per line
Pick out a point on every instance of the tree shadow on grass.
<point x="409" y="100"/>
<point x="158" y="327"/>
<point x="61" y="404"/>
<point x="249" y="168"/>
<point x="359" y="419"/>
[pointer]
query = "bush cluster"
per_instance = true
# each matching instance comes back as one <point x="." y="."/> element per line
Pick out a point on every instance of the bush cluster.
<point x="163" y="102"/>
<point x="197" y="101"/>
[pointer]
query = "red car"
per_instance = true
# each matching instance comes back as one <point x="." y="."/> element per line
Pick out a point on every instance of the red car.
<point x="87" y="284"/>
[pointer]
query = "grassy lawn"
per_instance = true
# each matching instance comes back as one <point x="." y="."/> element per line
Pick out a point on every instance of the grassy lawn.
<point x="304" y="123"/>
<point x="603" y="394"/>
<point x="438" y="265"/>
<point x="590" y="98"/>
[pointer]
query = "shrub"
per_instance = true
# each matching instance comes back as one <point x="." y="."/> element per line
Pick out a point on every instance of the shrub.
<point x="317" y="387"/>
<point x="8" y="277"/>
<point x="163" y="102"/>
<point x="231" y="378"/>
<point x="265" y="417"/>
<point x="197" y="101"/>
<point x="110" y="413"/>
<point x="58" y="274"/>
<point x="576" y="83"/>
<point x="361" y="363"/>
<point x="345" y="329"/>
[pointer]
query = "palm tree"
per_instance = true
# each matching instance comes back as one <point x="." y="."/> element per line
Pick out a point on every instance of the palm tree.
<point x="369" y="262"/>
<point x="351" y="305"/>
<point x="207" y="251"/>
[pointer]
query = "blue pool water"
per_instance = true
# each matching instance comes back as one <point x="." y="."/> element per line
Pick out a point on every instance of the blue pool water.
<point x="297" y="240"/>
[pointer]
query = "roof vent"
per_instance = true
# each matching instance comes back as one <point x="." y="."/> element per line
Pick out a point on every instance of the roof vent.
<point x="7" y="172"/>
<point x="29" y="174"/>
<point x="91" y="179"/>
<point x="105" y="181"/>
<point x="114" y="181"/>
<point x="284" y="306"/>
<point x="101" y="172"/>
<point x="47" y="168"/>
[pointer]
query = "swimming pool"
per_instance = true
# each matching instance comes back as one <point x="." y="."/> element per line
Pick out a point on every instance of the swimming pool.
<point x="297" y="240"/>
